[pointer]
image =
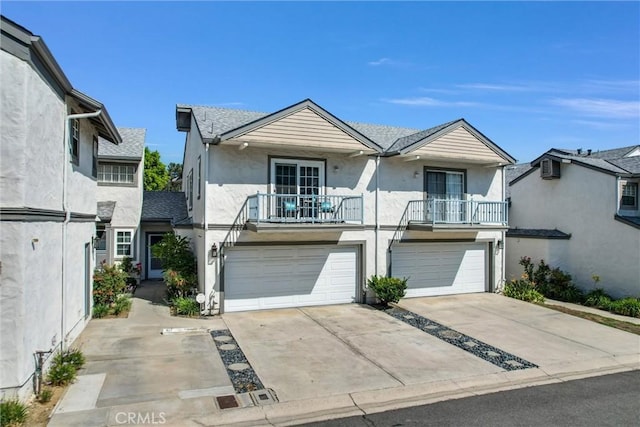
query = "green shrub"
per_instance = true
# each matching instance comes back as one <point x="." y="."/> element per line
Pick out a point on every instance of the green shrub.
<point x="388" y="289"/>
<point x="598" y="298"/>
<point x="524" y="290"/>
<point x="186" y="306"/>
<point x="61" y="373"/>
<point x="12" y="412"/>
<point x="100" y="310"/>
<point x="551" y="282"/>
<point x="122" y="304"/>
<point x="73" y="356"/>
<point x="175" y="254"/>
<point x="45" y="395"/>
<point x="626" y="306"/>
<point x="108" y="283"/>
<point x="126" y="265"/>
<point x="179" y="284"/>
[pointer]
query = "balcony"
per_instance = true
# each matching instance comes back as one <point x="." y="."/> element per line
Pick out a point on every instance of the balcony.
<point x="303" y="211"/>
<point x="451" y="214"/>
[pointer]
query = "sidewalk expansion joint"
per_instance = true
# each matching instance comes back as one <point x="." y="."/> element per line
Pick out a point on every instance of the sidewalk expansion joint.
<point x="484" y="351"/>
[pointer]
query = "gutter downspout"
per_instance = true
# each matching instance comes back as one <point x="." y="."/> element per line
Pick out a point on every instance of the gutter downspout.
<point x="377" y="224"/>
<point x="503" y="260"/>
<point x="210" y="303"/>
<point x="67" y="218"/>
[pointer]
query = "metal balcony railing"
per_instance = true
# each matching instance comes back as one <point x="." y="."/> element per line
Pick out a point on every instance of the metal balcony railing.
<point x="451" y="211"/>
<point x="305" y="208"/>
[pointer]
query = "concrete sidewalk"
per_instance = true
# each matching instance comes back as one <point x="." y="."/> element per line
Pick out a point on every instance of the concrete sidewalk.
<point x="325" y="362"/>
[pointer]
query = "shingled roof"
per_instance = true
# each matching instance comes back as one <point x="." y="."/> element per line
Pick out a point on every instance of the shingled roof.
<point x="164" y="206"/>
<point x="215" y="121"/>
<point x="131" y="147"/>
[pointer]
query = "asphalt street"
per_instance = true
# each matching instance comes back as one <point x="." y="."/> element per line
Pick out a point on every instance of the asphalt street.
<point x="610" y="400"/>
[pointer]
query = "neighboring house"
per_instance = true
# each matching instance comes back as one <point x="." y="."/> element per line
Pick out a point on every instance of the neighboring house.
<point x="578" y="210"/>
<point x="298" y="207"/>
<point x="162" y="212"/>
<point x="120" y="184"/>
<point x="48" y="172"/>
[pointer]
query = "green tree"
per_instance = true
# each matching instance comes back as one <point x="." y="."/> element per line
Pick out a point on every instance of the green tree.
<point x="175" y="177"/>
<point x="156" y="176"/>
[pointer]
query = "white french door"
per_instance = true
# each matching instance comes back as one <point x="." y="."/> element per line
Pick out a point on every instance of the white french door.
<point x="296" y="185"/>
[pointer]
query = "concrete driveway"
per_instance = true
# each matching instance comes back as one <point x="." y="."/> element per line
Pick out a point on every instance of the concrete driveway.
<point x="327" y="362"/>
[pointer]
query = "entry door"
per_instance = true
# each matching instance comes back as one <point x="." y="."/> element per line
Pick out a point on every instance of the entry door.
<point x="154" y="266"/>
<point x="296" y="185"/>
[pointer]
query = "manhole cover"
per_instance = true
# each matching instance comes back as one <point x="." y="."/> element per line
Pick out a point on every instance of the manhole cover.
<point x="223" y="338"/>
<point x="228" y="347"/>
<point x="225" y="402"/>
<point x="238" y="366"/>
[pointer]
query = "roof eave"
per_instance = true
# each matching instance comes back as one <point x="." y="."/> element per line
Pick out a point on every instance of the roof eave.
<point x="103" y="123"/>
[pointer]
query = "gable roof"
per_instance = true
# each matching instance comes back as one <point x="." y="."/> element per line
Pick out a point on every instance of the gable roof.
<point x="131" y="147"/>
<point x="23" y="44"/>
<point x="514" y="172"/>
<point x="217" y="124"/>
<point x="164" y="206"/>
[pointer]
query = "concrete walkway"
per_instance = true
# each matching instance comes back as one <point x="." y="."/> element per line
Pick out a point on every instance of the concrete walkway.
<point x="325" y="362"/>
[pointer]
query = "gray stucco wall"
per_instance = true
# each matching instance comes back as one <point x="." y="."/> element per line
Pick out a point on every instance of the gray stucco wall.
<point x="582" y="203"/>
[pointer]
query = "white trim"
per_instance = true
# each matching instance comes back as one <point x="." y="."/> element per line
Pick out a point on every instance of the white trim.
<point x="115" y="243"/>
<point x="320" y="164"/>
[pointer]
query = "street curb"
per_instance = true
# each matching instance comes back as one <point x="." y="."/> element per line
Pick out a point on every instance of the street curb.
<point x="375" y="401"/>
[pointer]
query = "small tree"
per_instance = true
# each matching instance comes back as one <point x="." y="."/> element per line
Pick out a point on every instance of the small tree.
<point x="175" y="177"/>
<point x="156" y="176"/>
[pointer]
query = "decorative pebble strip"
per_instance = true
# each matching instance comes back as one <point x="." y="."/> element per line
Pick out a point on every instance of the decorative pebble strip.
<point x="484" y="351"/>
<point x="241" y="374"/>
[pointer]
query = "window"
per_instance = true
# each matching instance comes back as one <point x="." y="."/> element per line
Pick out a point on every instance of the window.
<point x="101" y="238"/>
<point x="629" y="199"/>
<point x="74" y="141"/>
<point x="113" y="173"/>
<point x="94" y="168"/>
<point x="441" y="184"/>
<point x="124" y="243"/>
<point x="190" y="189"/>
<point x="199" y="175"/>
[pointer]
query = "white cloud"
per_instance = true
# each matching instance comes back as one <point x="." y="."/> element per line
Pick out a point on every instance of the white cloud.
<point x="380" y="61"/>
<point x="598" y="107"/>
<point x="497" y="87"/>
<point x="425" y="101"/>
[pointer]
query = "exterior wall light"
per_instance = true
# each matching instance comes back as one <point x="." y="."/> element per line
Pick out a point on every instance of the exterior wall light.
<point x="214" y="251"/>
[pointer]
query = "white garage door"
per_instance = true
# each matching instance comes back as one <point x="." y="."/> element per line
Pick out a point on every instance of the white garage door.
<point x="259" y="278"/>
<point x="440" y="268"/>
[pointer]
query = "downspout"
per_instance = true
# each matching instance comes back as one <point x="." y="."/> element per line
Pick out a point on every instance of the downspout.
<point x="210" y="303"/>
<point x="503" y="260"/>
<point x="377" y="219"/>
<point x="67" y="217"/>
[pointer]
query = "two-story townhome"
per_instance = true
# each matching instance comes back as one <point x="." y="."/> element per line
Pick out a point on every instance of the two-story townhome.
<point x="48" y="173"/>
<point x="299" y="207"/>
<point x="120" y="184"/>
<point x="578" y="210"/>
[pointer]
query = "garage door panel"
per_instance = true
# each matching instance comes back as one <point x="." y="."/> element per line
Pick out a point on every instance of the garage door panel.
<point x="440" y="268"/>
<point x="279" y="277"/>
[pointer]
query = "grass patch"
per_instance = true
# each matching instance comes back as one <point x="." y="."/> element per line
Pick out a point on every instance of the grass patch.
<point x="614" y="323"/>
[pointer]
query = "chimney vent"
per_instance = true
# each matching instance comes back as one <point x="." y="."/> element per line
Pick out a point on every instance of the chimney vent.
<point x="589" y="152"/>
<point x="579" y="151"/>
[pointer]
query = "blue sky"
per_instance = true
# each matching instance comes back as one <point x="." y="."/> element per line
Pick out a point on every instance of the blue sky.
<point x="530" y="76"/>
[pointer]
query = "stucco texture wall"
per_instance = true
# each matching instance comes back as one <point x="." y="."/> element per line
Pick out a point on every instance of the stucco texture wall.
<point x="33" y="121"/>
<point x="582" y="203"/>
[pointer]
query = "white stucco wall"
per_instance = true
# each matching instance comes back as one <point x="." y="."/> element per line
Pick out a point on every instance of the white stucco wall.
<point x="32" y="314"/>
<point x="33" y="121"/>
<point x="552" y="251"/>
<point x="583" y="203"/>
